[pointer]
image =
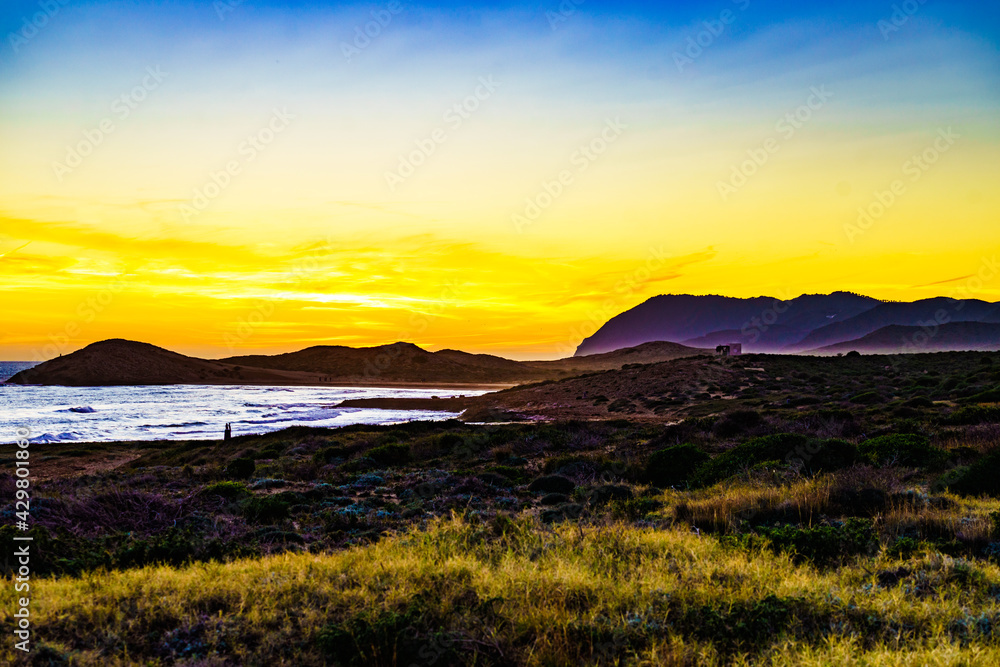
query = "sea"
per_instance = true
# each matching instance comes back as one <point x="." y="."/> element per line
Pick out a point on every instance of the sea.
<point x="188" y="412"/>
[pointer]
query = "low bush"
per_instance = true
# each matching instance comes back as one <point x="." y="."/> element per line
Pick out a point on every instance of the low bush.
<point x="241" y="468"/>
<point x="988" y="396"/>
<point x="867" y="398"/>
<point x="821" y="545"/>
<point x="973" y="415"/>
<point x="673" y="466"/>
<point x="265" y="509"/>
<point x="328" y="455"/>
<point x="901" y="449"/>
<point x="977" y="479"/>
<point x="780" y="447"/>
<point x="390" y="455"/>
<point x="832" y="455"/>
<point x="919" y="402"/>
<point x="387" y="638"/>
<point x="737" y="423"/>
<point x="227" y="489"/>
<point x="552" y="484"/>
<point x="607" y="493"/>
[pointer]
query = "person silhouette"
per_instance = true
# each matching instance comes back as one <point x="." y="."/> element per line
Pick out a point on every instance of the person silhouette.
<point x="228" y="432"/>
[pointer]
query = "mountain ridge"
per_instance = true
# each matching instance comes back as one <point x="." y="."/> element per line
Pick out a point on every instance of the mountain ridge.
<point x="771" y="325"/>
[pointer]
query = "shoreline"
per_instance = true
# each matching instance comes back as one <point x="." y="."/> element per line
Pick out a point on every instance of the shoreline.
<point x="444" y="386"/>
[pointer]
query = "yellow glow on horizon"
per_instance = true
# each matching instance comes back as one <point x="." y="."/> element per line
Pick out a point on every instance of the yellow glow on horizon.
<point x="510" y="237"/>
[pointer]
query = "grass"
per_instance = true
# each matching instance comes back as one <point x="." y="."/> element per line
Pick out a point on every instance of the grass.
<point x="515" y="592"/>
<point x="785" y="526"/>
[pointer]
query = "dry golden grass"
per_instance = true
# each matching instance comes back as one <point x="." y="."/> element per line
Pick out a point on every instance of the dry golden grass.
<point x="517" y="592"/>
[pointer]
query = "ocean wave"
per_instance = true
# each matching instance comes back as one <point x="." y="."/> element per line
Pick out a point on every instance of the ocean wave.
<point x="67" y="414"/>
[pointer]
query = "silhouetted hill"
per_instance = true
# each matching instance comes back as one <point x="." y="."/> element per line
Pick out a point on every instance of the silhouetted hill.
<point x="763" y="324"/>
<point x="646" y="353"/>
<point x="126" y="362"/>
<point x="123" y="362"/>
<point x="916" y="314"/>
<point x="399" y="362"/>
<point x="896" y="339"/>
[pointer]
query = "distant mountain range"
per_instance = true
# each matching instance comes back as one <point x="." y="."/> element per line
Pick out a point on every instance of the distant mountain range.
<point x="953" y="337"/>
<point x="812" y="323"/>
<point x="124" y="362"/>
<point x="663" y="328"/>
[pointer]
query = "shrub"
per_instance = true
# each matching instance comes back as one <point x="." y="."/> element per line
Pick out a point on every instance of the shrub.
<point x="241" y="468"/>
<point x="736" y="423"/>
<point x="550" y="499"/>
<point x="494" y="479"/>
<point x="825" y="456"/>
<point x="390" y="455"/>
<point x="173" y="547"/>
<point x="901" y="449"/>
<point x="867" y="398"/>
<point x="741" y="624"/>
<point x="621" y="405"/>
<point x="634" y="509"/>
<point x="988" y="396"/>
<point x="328" y="455"/>
<point x="513" y="474"/>
<point x="822" y="545"/>
<point x="979" y="478"/>
<point x="387" y="637"/>
<point x="227" y="489"/>
<point x="919" y="402"/>
<point x="265" y="509"/>
<point x="673" y="466"/>
<point x="552" y="484"/>
<point x="752" y="452"/>
<point x="585" y="466"/>
<point x="865" y="501"/>
<point x="272" y="451"/>
<point x="450" y="441"/>
<point x="610" y="492"/>
<point x="973" y="415"/>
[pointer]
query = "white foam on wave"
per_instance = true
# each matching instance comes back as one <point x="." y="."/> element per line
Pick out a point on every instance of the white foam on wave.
<point x="191" y="411"/>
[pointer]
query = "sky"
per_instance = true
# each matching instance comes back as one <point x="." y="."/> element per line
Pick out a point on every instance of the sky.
<point x="233" y="177"/>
